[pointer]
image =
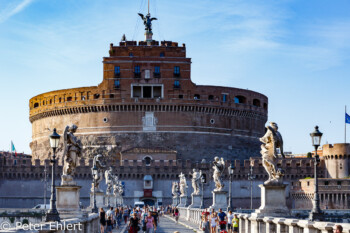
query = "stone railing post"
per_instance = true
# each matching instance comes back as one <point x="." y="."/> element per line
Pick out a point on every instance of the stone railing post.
<point x="292" y="225"/>
<point x="247" y="224"/>
<point x="307" y="226"/>
<point x="280" y="225"/>
<point x="241" y="223"/>
<point x="269" y="225"/>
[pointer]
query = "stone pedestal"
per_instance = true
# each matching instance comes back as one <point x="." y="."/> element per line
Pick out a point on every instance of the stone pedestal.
<point x="196" y="201"/>
<point x="119" y="200"/>
<point x="68" y="198"/>
<point x="113" y="201"/>
<point x="99" y="199"/>
<point x="219" y="200"/>
<point x="176" y="201"/>
<point x="183" y="201"/>
<point x="273" y="201"/>
<point x="109" y="200"/>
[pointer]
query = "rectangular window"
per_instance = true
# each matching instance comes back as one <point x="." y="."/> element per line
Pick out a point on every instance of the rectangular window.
<point x="177" y="70"/>
<point x="224" y="98"/>
<point x="137" y="70"/>
<point x="136" y="92"/>
<point x="147" y="74"/>
<point x="157" y="92"/>
<point x="157" y="69"/>
<point x="147" y="91"/>
<point x="176" y="84"/>
<point x="116" y="84"/>
<point x="117" y="70"/>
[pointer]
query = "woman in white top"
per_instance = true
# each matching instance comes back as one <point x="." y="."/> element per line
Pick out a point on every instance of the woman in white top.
<point x="213" y="221"/>
<point x="229" y="221"/>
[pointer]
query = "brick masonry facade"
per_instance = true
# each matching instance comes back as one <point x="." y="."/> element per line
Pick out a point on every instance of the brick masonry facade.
<point x="147" y="99"/>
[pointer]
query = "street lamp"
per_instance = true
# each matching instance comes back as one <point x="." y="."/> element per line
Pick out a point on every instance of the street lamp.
<point x="251" y="177"/>
<point x="231" y="169"/>
<point x="202" y="199"/>
<point x="94" y="177"/>
<point x="316" y="213"/>
<point x="52" y="215"/>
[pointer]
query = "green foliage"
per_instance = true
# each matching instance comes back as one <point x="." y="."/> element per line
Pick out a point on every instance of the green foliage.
<point x="309" y="155"/>
<point x="12" y="219"/>
<point x="25" y="221"/>
<point x="307" y="178"/>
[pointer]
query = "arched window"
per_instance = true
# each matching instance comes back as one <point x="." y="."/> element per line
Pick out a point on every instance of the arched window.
<point x="69" y="98"/>
<point x="197" y="96"/>
<point x="96" y="96"/>
<point x="265" y="106"/>
<point x="36" y="105"/>
<point x="256" y="102"/>
<point x="148" y="161"/>
<point x="210" y="97"/>
<point x="239" y="99"/>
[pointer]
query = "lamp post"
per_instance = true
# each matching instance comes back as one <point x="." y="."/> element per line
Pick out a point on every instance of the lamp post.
<point x="251" y="177"/>
<point x="316" y="213"/>
<point x="52" y="215"/>
<point x="231" y="169"/>
<point x="94" y="177"/>
<point x="202" y="198"/>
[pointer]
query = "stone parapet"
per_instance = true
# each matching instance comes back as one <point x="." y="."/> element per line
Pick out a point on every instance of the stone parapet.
<point x="253" y="224"/>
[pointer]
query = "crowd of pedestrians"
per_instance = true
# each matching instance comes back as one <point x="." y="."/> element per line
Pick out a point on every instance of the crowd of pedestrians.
<point x="138" y="219"/>
<point x="111" y="219"/>
<point x="213" y="222"/>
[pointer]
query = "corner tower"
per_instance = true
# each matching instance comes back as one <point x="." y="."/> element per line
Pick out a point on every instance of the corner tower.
<point x="337" y="160"/>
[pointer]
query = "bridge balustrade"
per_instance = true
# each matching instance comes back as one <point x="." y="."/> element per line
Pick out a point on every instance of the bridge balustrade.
<point x="249" y="223"/>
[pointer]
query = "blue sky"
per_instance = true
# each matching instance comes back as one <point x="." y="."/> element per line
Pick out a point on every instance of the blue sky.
<point x="295" y="52"/>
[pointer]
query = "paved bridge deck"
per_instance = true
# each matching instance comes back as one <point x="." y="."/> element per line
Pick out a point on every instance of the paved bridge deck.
<point x="166" y="225"/>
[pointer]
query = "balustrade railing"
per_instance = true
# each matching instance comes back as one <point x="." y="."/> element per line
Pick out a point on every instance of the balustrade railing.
<point x="249" y="223"/>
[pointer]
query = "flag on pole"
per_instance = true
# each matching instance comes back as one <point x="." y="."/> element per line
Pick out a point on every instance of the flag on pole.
<point x="13" y="149"/>
<point x="347" y="118"/>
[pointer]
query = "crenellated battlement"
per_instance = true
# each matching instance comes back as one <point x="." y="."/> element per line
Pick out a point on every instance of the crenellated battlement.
<point x="159" y="169"/>
<point x="336" y="151"/>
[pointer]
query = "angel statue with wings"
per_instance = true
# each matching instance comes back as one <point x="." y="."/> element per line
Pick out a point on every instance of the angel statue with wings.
<point x="109" y="180"/>
<point x="219" y="167"/>
<point x="147" y="21"/>
<point x="183" y="185"/>
<point x="271" y="141"/>
<point x="72" y="150"/>
<point x="175" y="188"/>
<point x="98" y="177"/>
<point x="196" y="176"/>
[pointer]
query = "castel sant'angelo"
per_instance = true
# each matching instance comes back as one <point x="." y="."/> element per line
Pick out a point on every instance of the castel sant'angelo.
<point x="146" y="102"/>
<point x="154" y="123"/>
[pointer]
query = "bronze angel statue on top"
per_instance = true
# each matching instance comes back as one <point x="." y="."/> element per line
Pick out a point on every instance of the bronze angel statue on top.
<point x="147" y="21"/>
<point x="271" y="141"/>
<point x="72" y="150"/>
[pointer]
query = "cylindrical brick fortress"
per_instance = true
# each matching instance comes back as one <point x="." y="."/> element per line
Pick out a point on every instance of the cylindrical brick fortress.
<point x="337" y="160"/>
<point x="147" y="99"/>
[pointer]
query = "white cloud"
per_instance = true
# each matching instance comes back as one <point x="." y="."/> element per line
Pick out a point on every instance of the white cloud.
<point x="12" y="9"/>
